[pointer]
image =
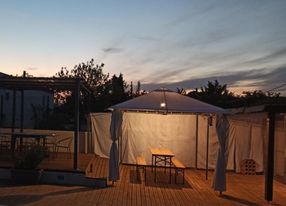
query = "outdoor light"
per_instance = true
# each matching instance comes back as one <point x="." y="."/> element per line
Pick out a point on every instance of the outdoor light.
<point x="162" y="104"/>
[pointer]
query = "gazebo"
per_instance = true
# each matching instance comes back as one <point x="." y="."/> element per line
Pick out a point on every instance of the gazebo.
<point x="164" y="102"/>
<point x="167" y="102"/>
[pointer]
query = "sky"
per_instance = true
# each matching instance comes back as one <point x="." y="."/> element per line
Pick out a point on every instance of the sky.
<point x="161" y="43"/>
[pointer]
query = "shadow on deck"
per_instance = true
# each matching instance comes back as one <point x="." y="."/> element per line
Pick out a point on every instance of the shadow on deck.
<point x="58" y="169"/>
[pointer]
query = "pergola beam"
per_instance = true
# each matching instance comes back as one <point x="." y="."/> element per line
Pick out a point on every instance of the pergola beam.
<point x="269" y="173"/>
<point x="76" y="124"/>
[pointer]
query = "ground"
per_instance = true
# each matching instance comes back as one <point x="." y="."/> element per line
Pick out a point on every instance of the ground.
<point x="131" y="189"/>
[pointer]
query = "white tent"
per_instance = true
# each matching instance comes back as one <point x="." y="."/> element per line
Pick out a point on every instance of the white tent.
<point x="160" y="102"/>
<point x="247" y="138"/>
<point x="141" y="131"/>
<point x="186" y="134"/>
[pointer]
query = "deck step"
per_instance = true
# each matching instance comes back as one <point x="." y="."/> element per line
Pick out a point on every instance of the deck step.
<point x="97" y="168"/>
<point x="71" y="178"/>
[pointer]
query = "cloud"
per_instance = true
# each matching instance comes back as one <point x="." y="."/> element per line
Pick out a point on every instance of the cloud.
<point x="112" y="50"/>
<point x="269" y="57"/>
<point x="195" y="12"/>
<point x="263" y="79"/>
<point x="162" y="74"/>
<point x="213" y="61"/>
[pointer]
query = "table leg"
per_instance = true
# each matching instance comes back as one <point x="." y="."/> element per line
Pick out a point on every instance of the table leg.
<point x="165" y="160"/>
<point x="170" y="169"/>
<point x="152" y="164"/>
<point x="155" y="164"/>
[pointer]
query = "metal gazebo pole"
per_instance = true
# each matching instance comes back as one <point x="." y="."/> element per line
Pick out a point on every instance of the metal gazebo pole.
<point x="76" y="124"/>
<point x="197" y="137"/>
<point x="207" y="152"/>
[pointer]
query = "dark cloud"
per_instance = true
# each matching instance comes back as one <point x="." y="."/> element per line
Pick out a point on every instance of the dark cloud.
<point x="269" y="57"/>
<point x="162" y="74"/>
<point x="214" y="58"/>
<point x="274" y="78"/>
<point x="112" y="50"/>
<point x="263" y="79"/>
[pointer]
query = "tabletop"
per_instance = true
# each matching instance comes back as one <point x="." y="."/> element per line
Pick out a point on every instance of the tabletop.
<point x="162" y="152"/>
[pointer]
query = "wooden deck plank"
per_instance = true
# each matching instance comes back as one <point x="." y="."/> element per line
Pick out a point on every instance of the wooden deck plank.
<point x="119" y="194"/>
<point x="122" y="193"/>
<point x="64" y="162"/>
<point x="241" y="190"/>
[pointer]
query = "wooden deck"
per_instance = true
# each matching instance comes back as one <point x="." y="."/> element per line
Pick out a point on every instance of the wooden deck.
<point x="97" y="168"/>
<point x="241" y="190"/>
<point x="93" y="166"/>
<point x="64" y="161"/>
<point x="131" y="190"/>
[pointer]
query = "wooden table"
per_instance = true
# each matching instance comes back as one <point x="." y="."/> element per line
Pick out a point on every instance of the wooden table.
<point x="159" y="157"/>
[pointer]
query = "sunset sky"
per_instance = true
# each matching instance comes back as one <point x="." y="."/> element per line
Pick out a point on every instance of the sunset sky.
<point x="178" y="43"/>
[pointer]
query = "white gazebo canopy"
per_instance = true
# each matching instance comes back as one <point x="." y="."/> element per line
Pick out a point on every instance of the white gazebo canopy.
<point x="166" y="101"/>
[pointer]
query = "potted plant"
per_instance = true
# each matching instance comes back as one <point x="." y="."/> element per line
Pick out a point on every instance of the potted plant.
<point x="25" y="169"/>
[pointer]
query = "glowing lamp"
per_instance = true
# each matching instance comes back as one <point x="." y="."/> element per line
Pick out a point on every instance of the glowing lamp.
<point x="162" y="104"/>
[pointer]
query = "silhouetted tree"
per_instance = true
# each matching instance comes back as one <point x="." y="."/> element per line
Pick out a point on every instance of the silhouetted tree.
<point x="131" y="89"/>
<point x="217" y="94"/>
<point x="215" y="88"/>
<point x="103" y="91"/>
<point x="214" y="93"/>
<point x="119" y="87"/>
<point x="259" y="97"/>
<point x="181" y="91"/>
<point x="138" y="88"/>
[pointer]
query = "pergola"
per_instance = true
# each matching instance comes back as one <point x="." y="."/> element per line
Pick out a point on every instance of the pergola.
<point x="45" y="84"/>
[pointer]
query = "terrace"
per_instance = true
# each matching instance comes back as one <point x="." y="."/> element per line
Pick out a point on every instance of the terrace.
<point x="131" y="190"/>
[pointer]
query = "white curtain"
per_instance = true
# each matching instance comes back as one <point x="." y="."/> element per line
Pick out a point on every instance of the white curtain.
<point x="100" y="127"/>
<point x="247" y="132"/>
<point x="222" y="127"/>
<point x="202" y="143"/>
<point x="142" y="131"/>
<point x="115" y="132"/>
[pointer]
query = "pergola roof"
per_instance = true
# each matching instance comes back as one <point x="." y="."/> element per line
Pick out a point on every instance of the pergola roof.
<point x="45" y="84"/>
<point x="279" y="108"/>
<point x="40" y="83"/>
